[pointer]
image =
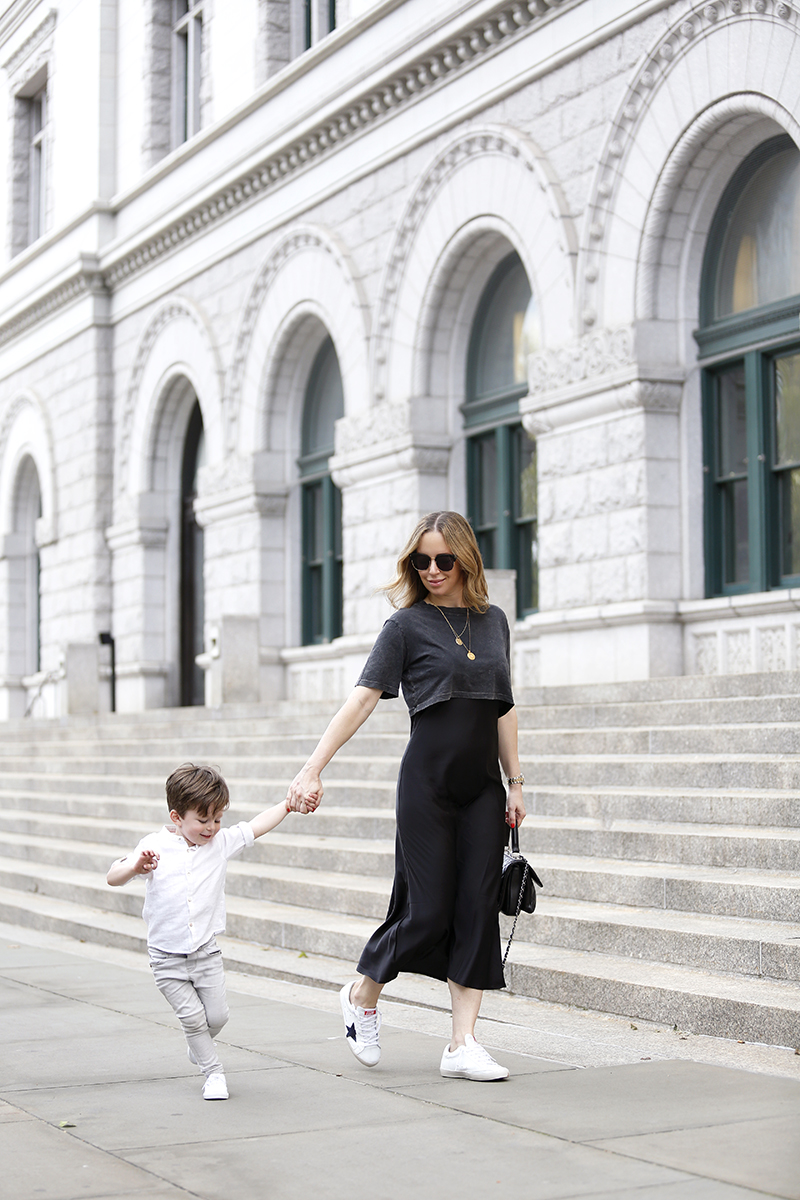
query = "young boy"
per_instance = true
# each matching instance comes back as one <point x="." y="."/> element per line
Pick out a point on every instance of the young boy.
<point x="184" y="905"/>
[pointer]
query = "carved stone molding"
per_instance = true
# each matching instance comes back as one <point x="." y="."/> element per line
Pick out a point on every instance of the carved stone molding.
<point x="656" y="65"/>
<point x="487" y="141"/>
<point x="86" y="279"/>
<point x="172" y="311"/>
<point x="299" y="240"/>
<point x="13" y="65"/>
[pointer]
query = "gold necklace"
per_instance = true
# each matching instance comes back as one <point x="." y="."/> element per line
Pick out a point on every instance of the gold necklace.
<point x="459" y="636"/>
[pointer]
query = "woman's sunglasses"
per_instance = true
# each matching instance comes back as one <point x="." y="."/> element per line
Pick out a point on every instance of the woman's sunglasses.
<point x="421" y="562"/>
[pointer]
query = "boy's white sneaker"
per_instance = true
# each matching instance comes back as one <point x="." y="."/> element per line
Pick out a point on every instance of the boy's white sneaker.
<point x="215" y="1087"/>
<point x="361" y="1027"/>
<point x="471" y="1061"/>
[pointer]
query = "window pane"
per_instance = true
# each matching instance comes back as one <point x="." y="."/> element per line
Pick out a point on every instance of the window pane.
<point x="527" y="567"/>
<point x="736" y="550"/>
<point x="486" y="463"/>
<point x="526" y="466"/>
<point x="789" y="483"/>
<point x="787" y="410"/>
<point x="181" y="8"/>
<point x="506" y="331"/>
<point x="732" y="422"/>
<point x="760" y="259"/>
<point x="324" y="402"/>
<point x="314" y="601"/>
<point x="486" y="541"/>
<point x="314" y="523"/>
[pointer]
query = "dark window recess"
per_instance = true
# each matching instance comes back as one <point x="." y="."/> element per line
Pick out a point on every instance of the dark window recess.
<point x="321" y="501"/>
<point x="191" y="574"/>
<point x="501" y="457"/>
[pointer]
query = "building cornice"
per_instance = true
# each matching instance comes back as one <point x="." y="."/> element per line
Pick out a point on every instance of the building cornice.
<point x="31" y="43"/>
<point x="492" y="30"/>
<point x="428" y="72"/>
<point x="84" y="278"/>
<point x="14" y="16"/>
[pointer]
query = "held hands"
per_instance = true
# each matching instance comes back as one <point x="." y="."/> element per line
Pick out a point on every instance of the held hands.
<point x="305" y="791"/>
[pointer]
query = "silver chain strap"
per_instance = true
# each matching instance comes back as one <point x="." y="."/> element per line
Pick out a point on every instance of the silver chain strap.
<point x="519" y="906"/>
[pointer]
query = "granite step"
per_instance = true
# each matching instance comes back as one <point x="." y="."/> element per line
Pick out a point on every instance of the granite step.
<point x="709" y="806"/>
<point x="716" y="771"/>
<point x="262" y="792"/>
<point x="732" y="945"/>
<point x="76" y="870"/>
<point x="692" y="999"/>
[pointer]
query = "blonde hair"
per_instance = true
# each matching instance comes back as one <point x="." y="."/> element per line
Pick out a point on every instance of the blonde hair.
<point x="407" y="588"/>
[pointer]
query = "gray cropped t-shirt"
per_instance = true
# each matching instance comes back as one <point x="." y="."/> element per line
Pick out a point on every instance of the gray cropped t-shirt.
<point x="416" y="650"/>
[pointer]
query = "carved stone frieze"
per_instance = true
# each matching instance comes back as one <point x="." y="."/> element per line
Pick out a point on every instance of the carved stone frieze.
<point x="595" y="354"/>
<point x="383" y="423"/>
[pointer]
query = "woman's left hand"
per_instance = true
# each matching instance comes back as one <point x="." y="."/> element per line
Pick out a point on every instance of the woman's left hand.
<point x="515" y="807"/>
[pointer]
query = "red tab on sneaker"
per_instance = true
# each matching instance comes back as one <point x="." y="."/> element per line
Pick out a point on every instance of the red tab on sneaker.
<point x="370" y="1012"/>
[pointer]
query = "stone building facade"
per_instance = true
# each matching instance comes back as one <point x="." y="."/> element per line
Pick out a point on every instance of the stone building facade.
<point x="280" y="276"/>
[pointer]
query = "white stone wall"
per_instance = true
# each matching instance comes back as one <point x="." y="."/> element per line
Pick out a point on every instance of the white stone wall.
<point x="366" y="190"/>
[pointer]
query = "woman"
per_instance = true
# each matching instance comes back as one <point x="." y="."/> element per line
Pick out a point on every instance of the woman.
<point x="449" y="650"/>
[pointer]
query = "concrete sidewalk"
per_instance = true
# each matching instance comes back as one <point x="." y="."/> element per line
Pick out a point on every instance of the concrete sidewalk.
<point x="98" y="1100"/>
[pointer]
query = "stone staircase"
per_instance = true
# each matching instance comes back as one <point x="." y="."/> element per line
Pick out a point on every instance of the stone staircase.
<point x="663" y="820"/>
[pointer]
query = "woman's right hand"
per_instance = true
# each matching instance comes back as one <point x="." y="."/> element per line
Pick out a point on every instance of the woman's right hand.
<point x="305" y="791"/>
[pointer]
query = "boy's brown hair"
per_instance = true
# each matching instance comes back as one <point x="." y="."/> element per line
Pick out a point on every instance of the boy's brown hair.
<point x="200" y="788"/>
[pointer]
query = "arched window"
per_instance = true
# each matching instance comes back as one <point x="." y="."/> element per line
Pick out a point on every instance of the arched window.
<point x="321" y="501"/>
<point x="191" y="574"/>
<point x="750" y="344"/>
<point x="27" y="510"/>
<point x="501" y="457"/>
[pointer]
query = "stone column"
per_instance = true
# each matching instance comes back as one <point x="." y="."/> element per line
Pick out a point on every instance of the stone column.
<point x="609" y="512"/>
<point x="81" y="678"/>
<point x="138" y="548"/>
<point x="243" y="515"/>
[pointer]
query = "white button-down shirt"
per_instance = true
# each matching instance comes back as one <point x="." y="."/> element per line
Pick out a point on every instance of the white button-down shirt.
<point x="184" y="903"/>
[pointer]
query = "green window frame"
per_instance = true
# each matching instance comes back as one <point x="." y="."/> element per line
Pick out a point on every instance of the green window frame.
<point x="501" y="456"/>
<point x="321" y="503"/>
<point x="751" y="422"/>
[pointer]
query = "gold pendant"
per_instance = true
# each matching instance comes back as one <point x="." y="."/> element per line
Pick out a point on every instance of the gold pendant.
<point x="470" y="655"/>
<point x="459" y="642"/>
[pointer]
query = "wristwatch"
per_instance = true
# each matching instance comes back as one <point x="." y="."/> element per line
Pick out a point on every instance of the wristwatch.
<point x="516" y="779"/>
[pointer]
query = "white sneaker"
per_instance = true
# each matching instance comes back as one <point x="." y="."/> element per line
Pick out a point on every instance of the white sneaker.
<point x="362" y="1026"/>
<point x="215" y="1087"/>
<point x="471" y="1061"/>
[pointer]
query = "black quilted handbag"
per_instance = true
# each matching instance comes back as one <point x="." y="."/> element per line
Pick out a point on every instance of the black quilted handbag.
<point x="517" y="891"/>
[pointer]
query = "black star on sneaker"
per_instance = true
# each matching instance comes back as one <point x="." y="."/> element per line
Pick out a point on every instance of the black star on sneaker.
<point x="361" y="1027"/>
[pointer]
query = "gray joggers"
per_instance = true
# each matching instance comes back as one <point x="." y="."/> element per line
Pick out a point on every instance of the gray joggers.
<point x="194" y="984"/>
